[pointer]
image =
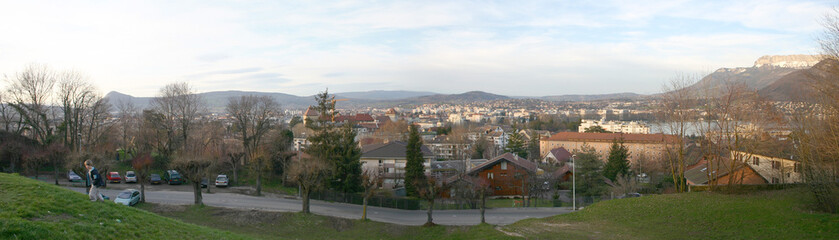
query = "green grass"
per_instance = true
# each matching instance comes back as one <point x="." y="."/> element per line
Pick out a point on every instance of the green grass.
<point x="31" y="209"/>
<point x="779" y="214"/>
<point x="278" y="225"/>
<point x="272" y="185"/>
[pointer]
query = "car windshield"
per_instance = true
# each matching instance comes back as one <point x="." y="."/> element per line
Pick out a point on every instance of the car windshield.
<point x="221" y="179"/>
<point x="129" y="174"/>
<point x="155" y="177"/>
<point x="175" y="175"/>
<point x="124" y="195"/>
<point x="115" y="175"/>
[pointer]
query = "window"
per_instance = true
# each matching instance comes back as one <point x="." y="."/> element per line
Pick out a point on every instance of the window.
<point x="489" y="175"/>
<point x="756" y="161"/>
<point x="775" y="180"/>
<point x="503" y="165"/>
<point x="797" y="167"/>
<point x="776" y="165"/>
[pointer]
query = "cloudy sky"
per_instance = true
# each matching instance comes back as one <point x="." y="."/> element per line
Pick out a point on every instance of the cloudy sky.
<point x="521" y="48"/>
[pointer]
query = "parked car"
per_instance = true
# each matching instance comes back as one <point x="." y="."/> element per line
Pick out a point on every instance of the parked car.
<point x="172" y="177"/>
<point x="204" y="182"/>
<point x="129" y="197"/>
<point x="114" y="177"/>
<point x="221" y="181"/>
<point x="73" y="177"/>
<point x="130" y="177"/>
<point x="155" y="179"/>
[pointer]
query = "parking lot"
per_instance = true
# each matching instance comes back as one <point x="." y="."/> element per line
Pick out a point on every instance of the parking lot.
<point x="186" y="187"/>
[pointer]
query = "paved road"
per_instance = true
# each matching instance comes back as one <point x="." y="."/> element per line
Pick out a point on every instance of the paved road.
<point x="499" y="216"/>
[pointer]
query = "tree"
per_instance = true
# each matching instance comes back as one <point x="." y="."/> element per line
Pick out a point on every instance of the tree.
<point x="533" y="147"/>
<point x="179" y="108"/>
<point x="254" y="116"/>
<point x="309" y="173"/>
<point x="30" y="92"/>
<point x="483" y="188"/>
<point x="480" y="148"/>
<point x="675" y="110"/>
<point x="516" y="145"/>
<point x="77" y="95"/>
<point x="589" y="171"/>
<point x="142" y="164"/>
<point x="429" y="189"/>
<point x="414" y="169"/>
<point x="596" y="129"/>
<point x="347" y="174"/>
<point x="192" y="167"/>
<point x="618" y="163"/>
<point x="370" y="181"/>
<point x="128" y="123"/>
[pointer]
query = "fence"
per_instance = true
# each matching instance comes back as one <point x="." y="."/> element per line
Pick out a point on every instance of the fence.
<point x="378" y="201"/>
<point x="743" y="188"/>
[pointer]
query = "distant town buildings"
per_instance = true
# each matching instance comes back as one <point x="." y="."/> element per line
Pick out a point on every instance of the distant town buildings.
<point x="616" y="126"/>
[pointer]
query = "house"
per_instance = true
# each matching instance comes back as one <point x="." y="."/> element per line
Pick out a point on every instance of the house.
<point x="557" y="156"/>
<point x="749" y="168"/>
<point x="388" y="160"/>
<point x="310" y="115"/>
<point x="448" y="169"/>
<point x="507" y="174"/>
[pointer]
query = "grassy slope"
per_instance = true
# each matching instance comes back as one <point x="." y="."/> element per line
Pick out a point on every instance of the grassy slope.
<point x="279" y="225"/>
<point x="763" y="215"/>
<point x="31" y="209"/>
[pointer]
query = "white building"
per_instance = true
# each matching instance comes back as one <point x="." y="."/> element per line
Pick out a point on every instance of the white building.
<point x="616" y="126"/>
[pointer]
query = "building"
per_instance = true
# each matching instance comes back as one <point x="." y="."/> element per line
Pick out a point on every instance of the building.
<point x="749" y="169"/>
<point x="310" y="115"/>
<point x="651" y="145"/>
<point x="388" y="160"/>
<point x="557" y="156"/>
<point x="506" y="174"/>
<point x="616" y="126"/>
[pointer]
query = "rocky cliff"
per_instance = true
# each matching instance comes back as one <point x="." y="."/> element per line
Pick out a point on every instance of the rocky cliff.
<point x="789" y="61"/>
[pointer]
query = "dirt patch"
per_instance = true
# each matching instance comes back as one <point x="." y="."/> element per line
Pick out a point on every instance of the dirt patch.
<point x="52" y="218"/>
<point x="165" y="208"/>
<point x="556" y="225"/>
<point x="340" y="224"/>
<point x="248" y="217"/>
<point x="512" y="234"/>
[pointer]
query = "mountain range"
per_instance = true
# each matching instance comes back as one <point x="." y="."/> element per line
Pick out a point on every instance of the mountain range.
<point x="781" y="78"/>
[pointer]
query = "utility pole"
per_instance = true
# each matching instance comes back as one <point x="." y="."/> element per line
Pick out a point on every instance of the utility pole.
<point x="574" y="181"/>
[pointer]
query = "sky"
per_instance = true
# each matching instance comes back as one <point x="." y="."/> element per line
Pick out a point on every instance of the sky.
<point x="515" y="48"/>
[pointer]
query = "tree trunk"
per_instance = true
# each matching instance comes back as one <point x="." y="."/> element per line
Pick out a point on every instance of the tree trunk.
<point x="364" y="209"/>
<point x="196" y="187"/>
<point x="235" y="173"/>
<point x="55" y="170"/>
<point x="142" y="191"/>
<point x="305" y="194"/>
<point x="483" y="206"/>
<point x="430" y="209"/>
<point x="258" y="181"/>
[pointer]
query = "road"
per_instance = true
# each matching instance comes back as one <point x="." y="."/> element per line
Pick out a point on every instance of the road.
<point x="499" y="216"/>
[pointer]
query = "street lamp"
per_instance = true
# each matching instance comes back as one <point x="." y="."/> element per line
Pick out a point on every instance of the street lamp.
<point x="574" y="181"/>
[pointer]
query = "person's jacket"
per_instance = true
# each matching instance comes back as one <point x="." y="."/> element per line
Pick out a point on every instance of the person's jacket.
<point x="96" y="178"/>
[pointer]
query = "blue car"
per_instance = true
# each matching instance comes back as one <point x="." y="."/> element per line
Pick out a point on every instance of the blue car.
<point x="129" y="197"/>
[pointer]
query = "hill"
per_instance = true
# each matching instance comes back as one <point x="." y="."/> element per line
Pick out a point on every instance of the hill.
<point x="382" y="95"/>
<point x="765" y="71"/>
<point x="30" y="209"/>
<point x="593" y="97"/>
<point x="779" y="214"/>
<point x="797" y="85"/>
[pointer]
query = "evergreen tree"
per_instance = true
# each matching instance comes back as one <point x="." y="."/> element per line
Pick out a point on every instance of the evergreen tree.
<point x="414" y="170"/>
<point x="589" y="171"/>
<point x="533" y="148"/>
<point x="516" y="145"/>
<point x="618" y="163"/>
<point x="347" y="174"/>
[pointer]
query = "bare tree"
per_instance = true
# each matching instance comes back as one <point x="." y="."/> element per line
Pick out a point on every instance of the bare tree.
<point x="483" y="189"/>
<point x="142" y="164"/>
<point x="371" y="181"/>
<point x="30" y="91"/>
<point x="430" y="189"/>
<point x="180" y="107"/>
<point x="255" y="116"/>
<point x="192" y="167"/>
<point x="10" y="119"/>
<point x="675" y="110"/>
<point x="128" y="124"/>
<point x="309" y="174"/>
<point x="76" y="95"/>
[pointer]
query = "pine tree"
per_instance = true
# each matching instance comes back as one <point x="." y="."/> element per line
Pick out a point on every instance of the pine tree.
<point x="347" y="175"/>
<point x="335" y="146"/>
<point x="414" y="170"/>
<point x="589" y="171"/>
<point x="516" y="145"/>
<point x="618" y="163"/>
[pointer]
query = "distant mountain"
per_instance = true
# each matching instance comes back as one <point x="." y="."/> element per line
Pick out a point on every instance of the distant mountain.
<point x="217" y="101"/>
<point x="765" y="71"/>
<point x="797" y="86"/>
<point x="593" y="97"/>
<point x="473" y="96"/>
<point x="382" y="94"/>
<point x="115" y="97"/>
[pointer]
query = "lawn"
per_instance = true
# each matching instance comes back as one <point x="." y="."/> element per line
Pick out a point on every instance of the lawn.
<point x="31" y="209"/>
<point x="280" y="225"/>
<point x="782" y="214"/>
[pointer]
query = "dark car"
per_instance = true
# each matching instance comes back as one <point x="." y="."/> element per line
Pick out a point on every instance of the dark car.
<point x="155" y="179"/>
<point x="172" y="177"/>
<point x="204" y="182"/>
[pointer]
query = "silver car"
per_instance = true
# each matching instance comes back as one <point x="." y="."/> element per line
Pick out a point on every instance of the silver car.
<point x="73" y="177"/>
<point x="129" y="197"/>
<point x="130" y="177"/>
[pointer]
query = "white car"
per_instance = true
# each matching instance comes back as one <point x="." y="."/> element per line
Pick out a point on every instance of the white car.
<point x="73" y="177"/>
<point x="129" y="197"/>
<point x="222" y="181"/>
<point x="130" y="177"/>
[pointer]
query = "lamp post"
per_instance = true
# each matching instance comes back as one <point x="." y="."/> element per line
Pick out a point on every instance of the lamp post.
<point x="574" y="182"/>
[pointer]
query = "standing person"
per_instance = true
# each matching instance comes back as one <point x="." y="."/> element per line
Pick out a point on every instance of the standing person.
<point x="96" y="181"/>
